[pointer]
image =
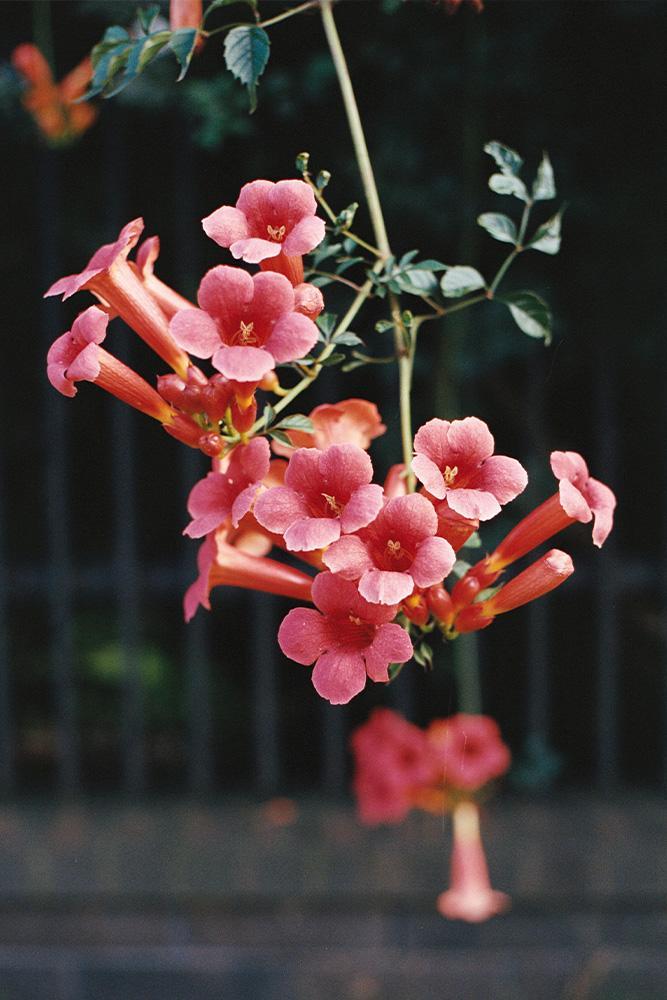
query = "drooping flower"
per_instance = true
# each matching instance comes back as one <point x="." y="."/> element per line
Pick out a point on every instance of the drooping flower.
<point x="77" y="356"/>
<point x="470" y="896"/>
<point x="455" y="460"/>
<point x="272" y="225"/>
<point x="468" y="751"/>
<point x="110" y="277"/>
<point x="54" y="106"/>
<point x="229" y="492"/>
<point x="543" y="576"/>
<point x="352" y="421"/>
<point x="396" y="553"/>
<point x="169" y="300"/>
<point x="392" y="758"/>
<point x="346" y="638"/>
<point x="246" y="324"/>
<point x="325" y="494"/>
<point x="237" y="559"/>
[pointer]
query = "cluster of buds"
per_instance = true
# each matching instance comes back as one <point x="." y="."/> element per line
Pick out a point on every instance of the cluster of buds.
<point x="443" y="768"/>
<point x="383" y="557"/>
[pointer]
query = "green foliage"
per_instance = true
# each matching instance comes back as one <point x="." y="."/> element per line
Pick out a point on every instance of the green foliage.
<point x="460" y="280"/>
<point x="246" y="55"/>
<point x="508" y="184"/>
<point x="547" y="237"/>
<point x="530" y="312"/>
<point x="423" y="655"/>
<point x="499" y="226"/>
<point x="544" y="185"/>
<point x="216" y="4"/>
<point x="407" y="275"/>
<point x="508" y="161"/>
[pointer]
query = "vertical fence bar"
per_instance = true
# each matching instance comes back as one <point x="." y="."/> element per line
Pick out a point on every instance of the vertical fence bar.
<point x="607" y="655"/>
<point x="263" y="647"/>
<point x="334" y="731"/>
<point x="59" y="574"/>
<point x="123" y="463"/>
<point x="7" y="729"/>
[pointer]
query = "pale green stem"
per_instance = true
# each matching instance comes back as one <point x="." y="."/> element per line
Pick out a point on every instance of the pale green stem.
<point x="403" y="351"/>
<point x="504" y="267"/>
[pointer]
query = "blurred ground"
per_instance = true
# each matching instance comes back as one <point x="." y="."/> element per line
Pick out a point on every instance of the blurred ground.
<point x="175" y="902"/>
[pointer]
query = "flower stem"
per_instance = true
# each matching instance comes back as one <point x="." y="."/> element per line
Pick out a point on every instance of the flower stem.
<point x="405" y="354"/>
<point x="288" y="13"/>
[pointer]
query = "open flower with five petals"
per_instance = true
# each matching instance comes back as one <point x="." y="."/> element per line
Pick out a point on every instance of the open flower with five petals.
<point x="246" y="324"/>
<point x="326" y="494"/>
<point x="455" y="460"/>
<point x="347" y="638"/>
<point x="396" y="553"/>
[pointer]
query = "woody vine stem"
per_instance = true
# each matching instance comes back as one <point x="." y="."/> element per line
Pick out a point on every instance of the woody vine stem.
<point x="403" y="338"/>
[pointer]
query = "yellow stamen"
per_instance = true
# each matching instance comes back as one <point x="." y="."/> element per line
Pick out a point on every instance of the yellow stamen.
<point x="450" y="474"/>
<point x="354" y="619"/>
<point x="245" y="334"/>
<point x="333" y="503"/>
<point x="393" y="549"/>
<point x="276" y="233"/>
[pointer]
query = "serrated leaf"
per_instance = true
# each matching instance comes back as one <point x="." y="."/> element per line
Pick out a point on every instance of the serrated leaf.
<point x="508" y="184"/>
<point x="507" y="159"/>
<point x="146" y="16"/>
<point x="281" y="437"/>
<point x="182" y="43"/>
<point x="347" y="339"/>
<point x="296" y="422"/>
<point x="499" y="226"/>
<point x="531" y="313"/>
<point x="326" y="322"/>
<point x="547" y="237"/>
<point x="246" y="55"/>
<point x="458" y="281"/>
<point x="416" y="282"/>
<point x="333" y="359"/>
<point x="544" y="185"/>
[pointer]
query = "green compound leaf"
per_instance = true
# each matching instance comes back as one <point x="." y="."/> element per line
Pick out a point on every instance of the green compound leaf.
<point x="544" y="185"/>
<point x="508" y="184"/>
<point x="246" y="55"/>
<point x="531" y="314"/>
<point x="347" y="339"/>
<point x="547" y="237"/>
<point x="499" y="226"/>
<point x="460" y="280"/>
<point x="182" y="43"/>
<point x="326" y="323"/>
<point x="295" y="422"/>
<point x="507" y="159"/>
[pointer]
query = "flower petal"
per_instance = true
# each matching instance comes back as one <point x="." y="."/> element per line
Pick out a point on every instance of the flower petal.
<point x="574" y="502"/>
<point x="311" y="533"/>
<point x="195" y="332"/>
<point x="289" y="201"/>
<point x="569" y="465"/>
<point x="433" y="562"/>
<point x="602" y="501"/>
<point x="471" y="440"/>
<point x="474" y="504"/>
<point x="431" y="440"/>
<point x="279" y="507"/>
<point x="381" y="586"/>
<point x="305" y="236"/>
<point x="85" y="365"/>
<point x="226" y="225"/>
<point x="349" y="557"/>
<point x="253" y="250"/>
<point x="334" y="596"/>
<point x="391" y="645"/>
<point x="338" y="676"/>
<point x="225" y="293"/>
<point x="244" y="501"/>
<point x="504" y="477"/>
<point x="302" y="635"/>
<point x="243" y="364"/>
<point x="429" y="475"/>
<point x="292" y="337"/>
<point x="363" y="507"/>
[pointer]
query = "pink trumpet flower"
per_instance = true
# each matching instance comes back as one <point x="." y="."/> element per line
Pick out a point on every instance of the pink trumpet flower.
<point x="169" y="301"/>
<point x="467" y="750"/>
<point x="110" y="277"/>
<point x="455" y="460"/>
<point x="325" y="494"/>
<point x="272" y="225"/>
<point x="229" y="492"/>
<point x="235" y="559"/>
<point x="394" y="554"/>
<point x="470" y="896"/>
<point x="347" y="638"/>
<point x="537" y="580"/>
<point x="246" y="324"/>
<point x="352" y="421"/>
<point x="77" y="356"/>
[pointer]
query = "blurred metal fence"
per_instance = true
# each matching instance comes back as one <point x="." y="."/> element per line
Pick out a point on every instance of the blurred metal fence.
<point x="62" y="580"/>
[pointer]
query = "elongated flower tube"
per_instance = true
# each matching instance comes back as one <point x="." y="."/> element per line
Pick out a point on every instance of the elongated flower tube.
<point x="470" y="896"/>
<point x="537" y="580"/>
<point x="169" y="300"/>
<point x="110" y="277"/>
<point x="77" y="356"/>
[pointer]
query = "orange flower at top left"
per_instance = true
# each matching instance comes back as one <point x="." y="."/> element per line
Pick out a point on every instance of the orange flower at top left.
<point x="51" y="104"/>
